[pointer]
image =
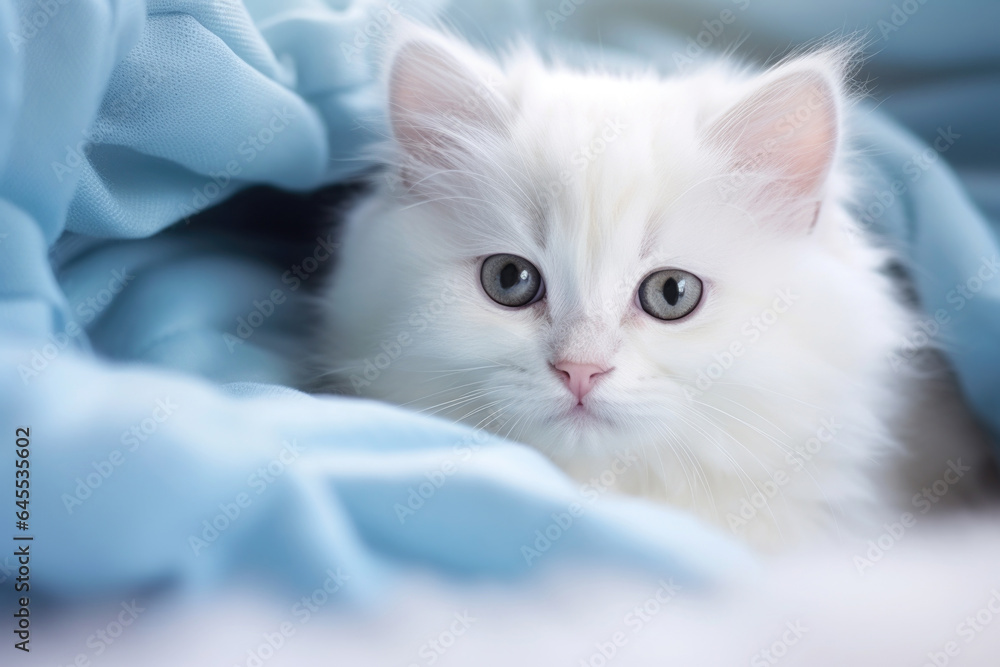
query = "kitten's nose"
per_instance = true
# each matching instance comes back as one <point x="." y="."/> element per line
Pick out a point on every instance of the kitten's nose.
<point x="579" y="378"/>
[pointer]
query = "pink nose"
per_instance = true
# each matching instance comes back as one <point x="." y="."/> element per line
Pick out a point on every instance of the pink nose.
<point x="579" y="378"/>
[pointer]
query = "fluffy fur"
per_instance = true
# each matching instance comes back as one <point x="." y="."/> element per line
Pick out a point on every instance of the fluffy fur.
<point x="776" y="408"/>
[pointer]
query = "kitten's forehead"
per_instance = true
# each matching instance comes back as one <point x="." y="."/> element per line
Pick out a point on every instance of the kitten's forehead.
<point x="610" y="163"/>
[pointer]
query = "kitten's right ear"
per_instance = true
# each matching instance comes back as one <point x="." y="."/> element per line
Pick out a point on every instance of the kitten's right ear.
<point x="783" y="137"/>
<point x="443" y="98"/>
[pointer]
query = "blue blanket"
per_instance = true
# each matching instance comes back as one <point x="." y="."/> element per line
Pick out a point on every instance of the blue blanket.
<point x="151" y="368"/>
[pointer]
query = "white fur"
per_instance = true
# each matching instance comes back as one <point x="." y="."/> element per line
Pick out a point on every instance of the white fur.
<point x="490" y="159"/>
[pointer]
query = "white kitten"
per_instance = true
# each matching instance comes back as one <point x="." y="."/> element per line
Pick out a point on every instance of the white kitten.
<point x="654" y="281"/>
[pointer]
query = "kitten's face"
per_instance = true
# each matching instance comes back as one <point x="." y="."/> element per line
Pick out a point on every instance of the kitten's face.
<point x="588" y="264"/>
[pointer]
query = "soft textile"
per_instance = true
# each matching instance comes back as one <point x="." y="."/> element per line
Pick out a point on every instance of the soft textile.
<point x="152" y="416"/>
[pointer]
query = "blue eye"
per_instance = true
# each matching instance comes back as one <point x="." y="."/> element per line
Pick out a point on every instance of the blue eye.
<point x="670" y="294"/>
<point x="511" y="280"/>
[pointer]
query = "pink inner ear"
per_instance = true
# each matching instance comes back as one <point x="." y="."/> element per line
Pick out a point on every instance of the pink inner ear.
<point x="783" y="136"/>
<point x="435" y="101"/>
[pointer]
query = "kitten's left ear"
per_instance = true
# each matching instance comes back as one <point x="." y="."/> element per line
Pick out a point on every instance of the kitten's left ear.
<point x="782" y="137"/>
<point x="442" y="98"/>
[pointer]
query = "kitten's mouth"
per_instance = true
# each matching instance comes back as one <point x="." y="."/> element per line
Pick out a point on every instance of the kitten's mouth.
<point x="582" y="414"/>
